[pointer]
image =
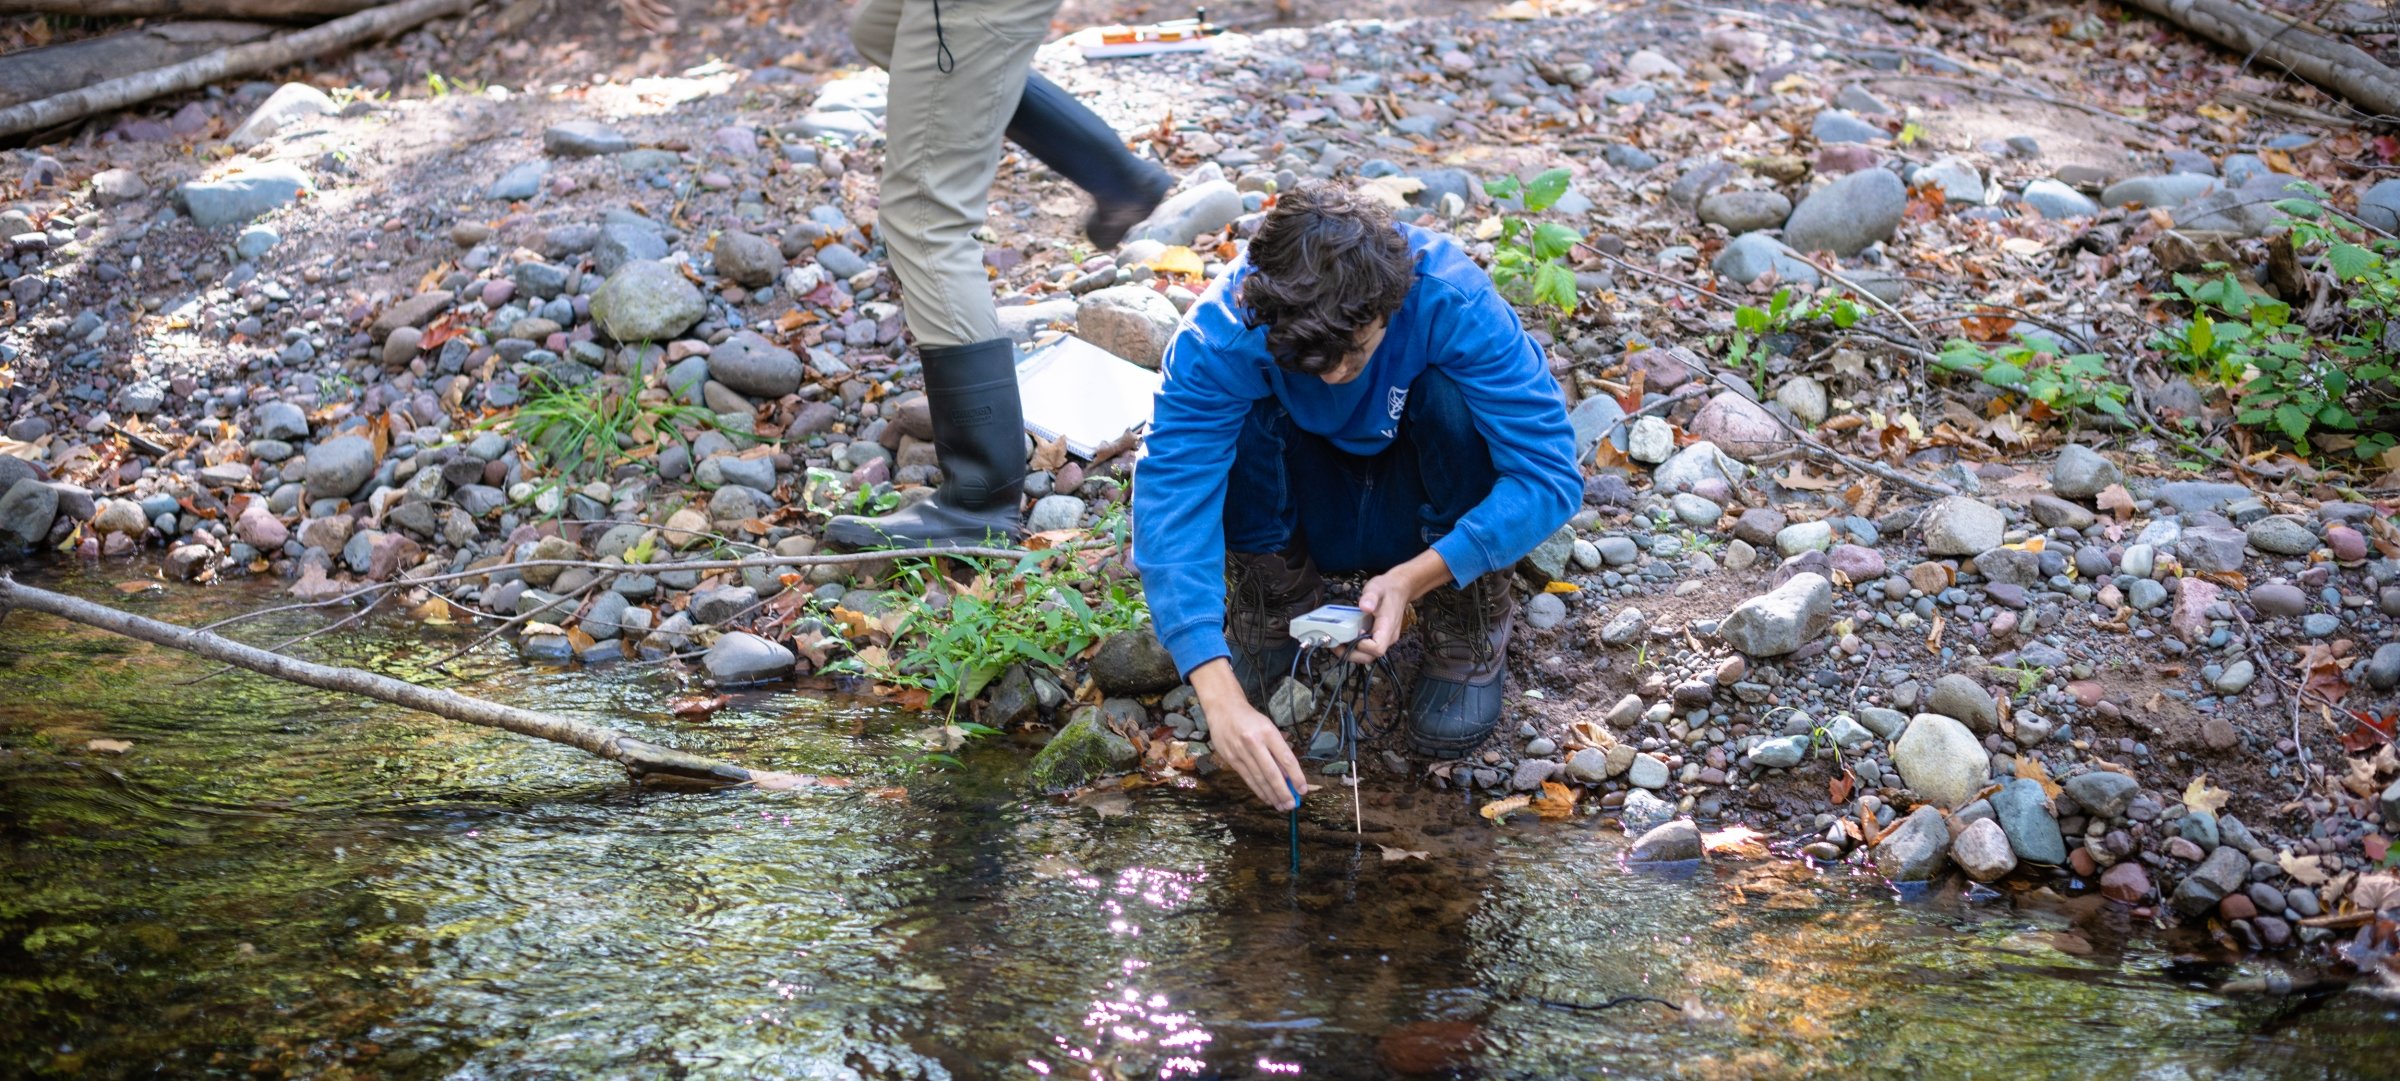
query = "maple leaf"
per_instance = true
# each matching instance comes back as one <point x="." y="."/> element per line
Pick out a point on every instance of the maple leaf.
<point x="1556" y="803"/>
<point x="2116" y="500"/>
<point x="1049" y="455"/>
<point x="2030" y="768"/>
<point x="2200" y="797"/>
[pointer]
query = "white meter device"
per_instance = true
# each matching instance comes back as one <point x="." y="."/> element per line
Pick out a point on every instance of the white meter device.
<point x="1330" y="625"/>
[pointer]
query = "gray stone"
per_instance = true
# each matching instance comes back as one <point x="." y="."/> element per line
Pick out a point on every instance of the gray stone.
<point x="1983" y="852"/>
<point x="1846" y="216"/>
<point x="752" y="365"/>
<point x="340" y="466"/>
<point x="1647" y="771"/>
<point x="281" y="420"/>
<point x="622" y="242"/>
<point x="1019" y="323"/>
<point x="1859" y="99"/>
<point x="1131" y="321"/>
<point x="1964" y="700"/>
<point x="1643" y="812"/>
<point x="243" y="196"/>
<point x="1700" y="461"/>
<point x="1623" y="628"/>
<point x="1836" y="126"/>
<point x="747" y="259"/>
<point x="1782" y="752"/>
<point x="1752" y="256"/>
<point x="2320" y="624"/>
<point x="2058" y="202"/>
<point x="1959" y="181"/>
<point x="1960" y="526"/>
<point x="740" y="657"/>
<point x="1054" y="512"/>
<point x="2223" y="872"/>
<point x="584" y="139"/>
<point x="2146" y="594"/>
<point x="1941" y="760"/>
<point x="2236" y="678"/>
<point x="2214" y="549"/>
<point x="2383" y="674"/>
<point x="1588" y="766"/>
<point x="27" y="510"/>
<point x="1083" y="751"/>
<point x="2282" y="535"/>
<point x="1672" y="842"/>
<point x="290" y="105"/>
<point x="647" y="301"/>
<point x="2010" y="566"/>
<point x="840" y="261"/>
<point x="2380" y="205"/>
<point x="1739" y="212"/>
<point x="1806" y="398"/>
<point x="2080" y="472"/>
<point x="1134" y="663"/>
<point x="1205" y="208"/>
<point x="2171" y="190"/>
<point x="1800" y="537"/>
<point x="2276" y="600"/>
<point x="736" y="503"/>
<point x="255" y="241"/>
<point x="1782" y="621"/>
<point x="603" y="620"/>
<point x="2025" y="815"/>
<point x="1544" y="611"/>
<point x="2101" y="793"/>
<point x="1916" y="849"/>
<point x="1549" y="558"/>
<point x="2187" y="496"/>
<point x="1736" y="422"/>
<point x="519" y="183"/>
<point x="1885" y="723"/>
<point x="1594" y="419"/>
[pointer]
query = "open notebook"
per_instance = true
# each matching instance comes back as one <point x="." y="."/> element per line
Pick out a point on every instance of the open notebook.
<point x="1083" y="393"/>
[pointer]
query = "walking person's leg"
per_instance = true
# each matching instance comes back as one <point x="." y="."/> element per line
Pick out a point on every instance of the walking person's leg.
<point x="1057" y="130"/>
<point x="956" y="76"/>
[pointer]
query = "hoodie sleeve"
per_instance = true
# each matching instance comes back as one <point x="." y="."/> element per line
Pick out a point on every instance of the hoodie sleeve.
<point x="1506" y="378"/>
<point x="1179" y="490"/>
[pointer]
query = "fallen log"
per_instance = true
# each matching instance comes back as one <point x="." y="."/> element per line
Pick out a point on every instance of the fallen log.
<point x="287" y="10"/>
<point x="2338" y="68"/>
<point x="644" y="760"/>
<point x="48" y="113"/>
<point x="33" y="74"/>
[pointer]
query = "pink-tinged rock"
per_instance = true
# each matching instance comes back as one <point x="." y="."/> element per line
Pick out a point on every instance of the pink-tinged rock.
<point x="1661" y="369"/>
<point x="2004" y="625"/>
<point x="556" y="342"/>
<point x="2087" y="692"/>
<point x="313" y="586"/>
<point x="1743" y="427"/>
<point x="2191" y="608"/>
<point x="562" y="185"/>
<point x="1845" y="158"/>
<point x="872" y="473"/>
<point x="188" y="561"/>
<point x="741" y="142"/>
<point x="498" y="292"/>
<point x="2126" y="883"/>
<point x="2349" y="545"/>
<point x="261" y="530"/>
<point x="390" y="553"/>
<point x="1856" y="562"/>
<point x="2185" y="849"/>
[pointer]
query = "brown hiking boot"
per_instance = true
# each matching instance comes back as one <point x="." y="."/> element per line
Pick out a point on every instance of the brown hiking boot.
<point x="1457" y="702"/>
<point x="1263" y="592"/>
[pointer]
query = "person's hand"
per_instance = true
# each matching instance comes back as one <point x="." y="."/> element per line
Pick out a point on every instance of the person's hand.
<point x="649" y="16"/>
<point x="1386" y="597"/>
<point x="1245" y="740"/>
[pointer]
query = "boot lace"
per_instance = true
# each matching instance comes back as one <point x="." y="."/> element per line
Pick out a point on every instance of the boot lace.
<point x="1458" y="621"/>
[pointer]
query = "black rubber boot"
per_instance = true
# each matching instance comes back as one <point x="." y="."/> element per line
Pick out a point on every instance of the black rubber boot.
<point x="1263" y="592"/>
<point x="979" y="437"/>
<point x="1459" y="689"/>
<point x="1075" y="143"/>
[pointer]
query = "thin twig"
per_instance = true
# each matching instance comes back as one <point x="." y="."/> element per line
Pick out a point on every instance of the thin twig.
<point x="512" y="621"/>
<point x="1830" y="271"/>
<point x="296" y="639"/>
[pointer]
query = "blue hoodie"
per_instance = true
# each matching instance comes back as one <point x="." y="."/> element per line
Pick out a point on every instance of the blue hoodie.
<point x="1218" y="365"/>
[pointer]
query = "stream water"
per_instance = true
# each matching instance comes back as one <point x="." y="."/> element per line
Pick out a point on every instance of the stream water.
<point x="274" y="881"/>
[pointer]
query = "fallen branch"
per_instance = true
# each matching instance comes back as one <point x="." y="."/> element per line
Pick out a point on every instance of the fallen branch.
<point x="33" y="74"/>
<point x="51" y="112"/>
<point x="2337" y="67"/>
<point x="642" y="759"/>
<point x="295" y="10"/>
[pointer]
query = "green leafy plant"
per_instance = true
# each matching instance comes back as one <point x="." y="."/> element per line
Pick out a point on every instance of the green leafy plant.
<point x="1529" y="258"/>
<point x="1040" y="610"/>
<point x="2329" y="383"/>
<point x="599" y="423"/>
<point x="2028" y="676"/>
<point x="2034" y="366"/>
<point x="1746" y="352"/>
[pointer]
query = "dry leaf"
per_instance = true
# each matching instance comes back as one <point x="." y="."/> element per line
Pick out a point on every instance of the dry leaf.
<point x="2376" y="892"/>
<point x="580" y="640"/>
<point x="130" y="588"/>
<point x="1049" y="455"/>
<point x="1498" y="810"/>
<point x="2030" y="768"/>
<point x="2115" y="499"/>
<point x="2200" y="797"/>
<point x="1177" y="260"/>
<point x="697" y="705"/>
<point x="107" y="746"/>
<point x="1395" y="855"/>
<point x="2305" y="870"/>
<point x="1106" y="802"/>
<point x="1556" y="803"/>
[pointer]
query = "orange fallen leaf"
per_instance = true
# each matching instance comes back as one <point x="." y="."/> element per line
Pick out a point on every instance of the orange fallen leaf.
<point x="697" y="705"/>
<point x="1498" y="810"/>
<point x="2116" y="500"/>
<point x="1556" y="803"/>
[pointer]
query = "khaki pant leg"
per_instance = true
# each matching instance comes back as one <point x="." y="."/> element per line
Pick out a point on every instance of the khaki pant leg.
<point x="942" y="133"/>
<point x="872" y="28"/>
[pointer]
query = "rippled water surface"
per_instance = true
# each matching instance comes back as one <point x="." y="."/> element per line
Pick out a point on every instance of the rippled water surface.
<point x="276" y="881"/>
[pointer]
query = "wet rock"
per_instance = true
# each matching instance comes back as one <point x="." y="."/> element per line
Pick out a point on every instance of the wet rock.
<point x="1964" y="700"/>
<point x="2222" y="873"/>
<point x="1131" y="321"/>
<point x="2081" y="473"/>
<point x="1205" y="208"/>
<point x="1082" y="751"/>
<point x="1739" y="212"/>
<point x="1134" y="663"/>
<point x="584" y="139"/>
<point x="1960" y="526"/>
<point x="27" y="510"/>
<point x="1916" y="849"/>
<point x="1752" y="256"/>
<point x="1846" y="216"/>
<point x="647" y="301"/>
<point x="1941" y="760"/>
<point x="747" y="259"/>
<point x="1782" y="621"/>
<point x="740" y="657"/>
<point x="340" y="466"/>
<point x="1673" y="842"/>
<point x="2024" y="813"/>
<point x="752" y="365"/>
<point x="244" y="196"/>
<point x="291" y="104"/>
<point x="2126" y="883"/>
<point x="1982" y="851"/>
<point x="1743" y="427"/>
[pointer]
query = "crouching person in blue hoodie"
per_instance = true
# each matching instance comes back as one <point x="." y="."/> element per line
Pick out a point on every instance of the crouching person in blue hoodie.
<point x="1351" y="396"/>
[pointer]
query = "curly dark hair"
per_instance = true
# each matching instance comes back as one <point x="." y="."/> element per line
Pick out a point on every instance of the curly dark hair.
<point x="1326" y="263"/>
